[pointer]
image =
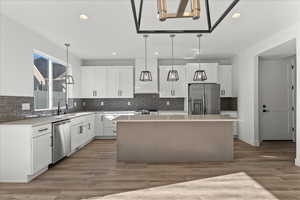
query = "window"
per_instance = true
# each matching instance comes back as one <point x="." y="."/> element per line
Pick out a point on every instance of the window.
<point x="49" y="82"/>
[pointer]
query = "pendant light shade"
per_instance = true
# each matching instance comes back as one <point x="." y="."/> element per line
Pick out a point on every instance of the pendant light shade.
<point x="200" y="75"/>
<point x="173" y="74"/>
<point x="145" y="74"/>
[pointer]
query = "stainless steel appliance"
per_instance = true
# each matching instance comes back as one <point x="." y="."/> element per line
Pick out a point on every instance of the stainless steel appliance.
<point x="204" y="98"/>
<point x="61" y="140"/>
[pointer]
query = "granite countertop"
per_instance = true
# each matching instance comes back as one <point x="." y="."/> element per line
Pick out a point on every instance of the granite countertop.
<point x="46" y="120"/>
<point x="176" y="118"/>
<point x="124" y="116"/>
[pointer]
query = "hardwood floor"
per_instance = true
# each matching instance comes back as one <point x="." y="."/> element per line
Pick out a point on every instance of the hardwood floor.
<point x="94" y="172"/>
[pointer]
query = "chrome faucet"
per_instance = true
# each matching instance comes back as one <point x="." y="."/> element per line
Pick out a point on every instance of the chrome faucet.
<point x="58" y="109"/>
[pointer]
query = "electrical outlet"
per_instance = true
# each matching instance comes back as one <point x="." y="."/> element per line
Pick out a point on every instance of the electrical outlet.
<point x="26" y="106"/>
<point x="168" y="103"/>
<point x="83" y="103"/>
<point x="102" y="103"/>
<point x="129" y="103"/>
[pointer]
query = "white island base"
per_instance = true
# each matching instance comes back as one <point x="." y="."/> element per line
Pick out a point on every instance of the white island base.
<point x="164" y="139"/>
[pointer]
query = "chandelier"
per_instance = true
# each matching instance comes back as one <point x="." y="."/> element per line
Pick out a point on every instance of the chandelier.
<point x="200" y="10"/>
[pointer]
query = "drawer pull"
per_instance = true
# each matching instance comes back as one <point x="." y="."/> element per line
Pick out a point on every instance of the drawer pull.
<point x="43" y="129"/>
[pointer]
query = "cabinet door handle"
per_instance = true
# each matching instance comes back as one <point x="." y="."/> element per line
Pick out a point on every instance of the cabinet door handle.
<point x="51" y="141"/>
<point x="223" y="92"/>
<point x="80" y="129"/>
<point x="43" y="129"/>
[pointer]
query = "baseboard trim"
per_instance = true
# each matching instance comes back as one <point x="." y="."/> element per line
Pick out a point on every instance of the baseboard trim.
<point x="105" y="137"/>
<point x="297" y="162"/>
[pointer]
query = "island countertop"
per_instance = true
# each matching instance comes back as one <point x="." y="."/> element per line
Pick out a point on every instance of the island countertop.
<point x="176" y="118"/>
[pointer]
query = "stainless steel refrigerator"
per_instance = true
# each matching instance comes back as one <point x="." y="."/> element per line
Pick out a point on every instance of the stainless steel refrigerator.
<point x="204" y="98"/>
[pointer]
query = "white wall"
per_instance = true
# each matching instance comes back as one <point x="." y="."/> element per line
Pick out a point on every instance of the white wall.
<point x="298" y="98"/>
<point x="18" y="43"/>
<point x="245" y="81"/>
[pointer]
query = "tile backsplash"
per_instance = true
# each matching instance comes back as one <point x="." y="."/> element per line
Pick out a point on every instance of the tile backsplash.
<point x="229" y="104"/>
<point x="11" y="106"/>
<point x="140" y="101"/>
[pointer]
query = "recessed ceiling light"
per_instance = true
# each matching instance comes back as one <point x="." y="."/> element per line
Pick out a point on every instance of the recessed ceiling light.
<point x="114" y="53"/>
<point x="83" y="17"/>
<point x="236" y="15"/>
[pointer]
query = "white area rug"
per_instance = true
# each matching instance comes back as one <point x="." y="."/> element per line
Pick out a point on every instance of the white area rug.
<point x="237" y="186"/>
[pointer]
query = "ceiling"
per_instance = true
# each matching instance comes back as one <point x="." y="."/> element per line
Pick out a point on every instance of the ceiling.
<point x="281" y="51"/>
<point x="110" y="27"/>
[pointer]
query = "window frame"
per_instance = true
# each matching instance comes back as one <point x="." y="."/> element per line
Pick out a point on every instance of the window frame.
<point x="51" y="59"/>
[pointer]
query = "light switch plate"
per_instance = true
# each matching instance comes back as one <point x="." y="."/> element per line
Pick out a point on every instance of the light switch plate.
<point x="25" y="106"/>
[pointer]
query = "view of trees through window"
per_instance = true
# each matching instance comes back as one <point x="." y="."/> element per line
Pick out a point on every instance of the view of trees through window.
<point x="49" y="83"/>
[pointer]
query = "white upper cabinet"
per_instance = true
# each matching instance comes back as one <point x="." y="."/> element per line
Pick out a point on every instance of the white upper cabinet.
<point x="107" y="82"/>
<point x="93" y="82"/>
<point x="112" y="83"/>
<point x="126" y="82"/>
<point x="225" y="80"/>
<point x="211" y="70"/>
<point x="119" y="82"/>
<point x="87" y="82"/>
<point x="172" y="89"/>
<point x="100" y="82"/>
<point x="146" y="86"/>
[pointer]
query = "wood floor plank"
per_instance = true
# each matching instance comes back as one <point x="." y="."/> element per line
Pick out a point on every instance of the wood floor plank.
<point x="94" y="172"/>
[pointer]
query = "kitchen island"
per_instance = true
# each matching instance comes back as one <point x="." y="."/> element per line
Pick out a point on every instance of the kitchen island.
<point x="174" y="138"/>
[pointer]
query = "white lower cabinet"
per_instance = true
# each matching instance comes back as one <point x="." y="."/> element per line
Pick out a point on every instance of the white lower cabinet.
<point x="42" y="152"/>
<point x="29" y="152"/>
<point x="106" y="126"/>
<point x="82" y="131"/>
<point x="76" y="136"/>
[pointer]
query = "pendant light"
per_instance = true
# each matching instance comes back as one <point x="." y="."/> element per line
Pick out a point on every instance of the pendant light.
<point x="200" y="75"/>
<point x="68" y="78"/>
<point x="146" y="74"/>
<point x="173" y="74"/>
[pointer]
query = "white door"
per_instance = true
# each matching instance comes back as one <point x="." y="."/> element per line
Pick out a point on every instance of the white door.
<point x="112" y="82"/>
<point x="100" y="82"/>
<point x="225" y="80"/>
<point x="144" y="87"/>
<point x="88" y="82"/>
<point x="274" y="97"/>
<point x="179" y="86"/>
<point x="165" y="87"/>
<point x="42" y="152"/>
<point x="125" y="84"/>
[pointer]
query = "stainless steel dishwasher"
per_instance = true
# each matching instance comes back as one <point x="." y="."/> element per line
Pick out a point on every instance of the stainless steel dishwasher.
<point x="61" y="140"/>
